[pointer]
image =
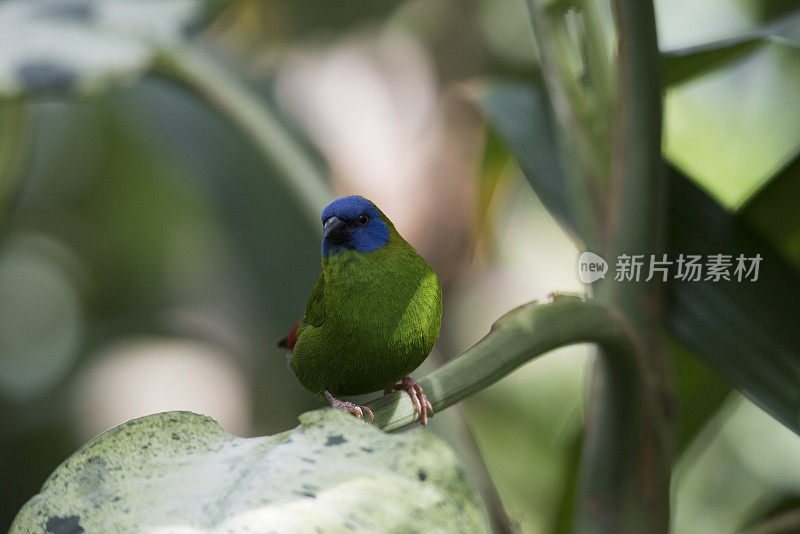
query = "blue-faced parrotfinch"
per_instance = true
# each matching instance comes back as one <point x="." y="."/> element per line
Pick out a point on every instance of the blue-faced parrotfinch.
<point x="373" y="315"/>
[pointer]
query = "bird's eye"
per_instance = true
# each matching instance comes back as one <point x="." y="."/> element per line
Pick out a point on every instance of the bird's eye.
<point x="362" y="219"/>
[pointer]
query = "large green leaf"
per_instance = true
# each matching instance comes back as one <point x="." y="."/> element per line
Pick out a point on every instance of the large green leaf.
<point x="83" y="46"/>
<point x="180" y="471"/>
<point x="772" y="212"/>
<point x="699" y="393"/>
<point x="744" y="331"/>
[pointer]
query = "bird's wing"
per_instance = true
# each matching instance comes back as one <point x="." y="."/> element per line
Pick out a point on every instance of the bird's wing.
<point x="313" y="316"/>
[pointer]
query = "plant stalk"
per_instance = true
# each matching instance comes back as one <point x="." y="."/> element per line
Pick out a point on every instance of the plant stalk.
<point x="635" y="499"/>
<point x="519" y="336"/>
<point x="579" y="160"/>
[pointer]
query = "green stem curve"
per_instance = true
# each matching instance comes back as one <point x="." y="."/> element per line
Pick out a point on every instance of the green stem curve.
<point x="522" y="335"/>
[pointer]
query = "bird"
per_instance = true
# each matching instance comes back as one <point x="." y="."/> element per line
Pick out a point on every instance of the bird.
<point x="373" y="315"/>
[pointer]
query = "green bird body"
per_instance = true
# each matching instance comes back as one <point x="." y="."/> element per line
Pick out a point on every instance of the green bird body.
<point x="375" y="311"/>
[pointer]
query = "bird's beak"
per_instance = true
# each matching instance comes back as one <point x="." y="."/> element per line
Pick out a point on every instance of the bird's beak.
<point x="335" y="231"/>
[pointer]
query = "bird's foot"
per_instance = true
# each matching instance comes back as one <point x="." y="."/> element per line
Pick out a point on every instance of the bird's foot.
<point x="421" y="404"/>
<point x="354" y="409"/>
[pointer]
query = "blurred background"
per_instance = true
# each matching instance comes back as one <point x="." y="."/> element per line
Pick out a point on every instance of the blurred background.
<point x="151" y="258"/>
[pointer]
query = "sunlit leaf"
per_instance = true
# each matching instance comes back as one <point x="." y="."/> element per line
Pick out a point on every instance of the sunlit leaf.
<point x="181" y="471"/>
<point x="683" y="64"/>
<point x="739" y="115"/>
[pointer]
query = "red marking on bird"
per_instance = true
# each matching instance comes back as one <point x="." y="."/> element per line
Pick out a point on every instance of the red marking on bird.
<point x="291" y="339"/>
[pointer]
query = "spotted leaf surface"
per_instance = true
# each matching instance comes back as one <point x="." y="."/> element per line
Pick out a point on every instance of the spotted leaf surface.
<point x="84" y="46"/>
<point x="181" y="472"/>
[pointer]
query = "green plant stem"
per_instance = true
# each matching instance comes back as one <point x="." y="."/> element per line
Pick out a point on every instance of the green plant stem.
<point x="596" y="49"/>
<point x="578" y="154"/>
<point x="635" y="226"/>
<point x="599" y="75"/>
<point x="225" y="92"/>
<point x="516" y="338"/>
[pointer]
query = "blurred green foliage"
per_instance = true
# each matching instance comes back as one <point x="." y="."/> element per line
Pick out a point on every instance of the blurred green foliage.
<point x="136" y="209"/>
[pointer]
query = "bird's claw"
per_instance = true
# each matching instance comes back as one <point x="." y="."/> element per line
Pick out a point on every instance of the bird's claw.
<point x="421" y="404"/>
<point x="358" y="411"/>
<point x="347" y="406"/>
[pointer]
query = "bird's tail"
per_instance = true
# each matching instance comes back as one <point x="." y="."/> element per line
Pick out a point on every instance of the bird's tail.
<point x="289" y="341"/>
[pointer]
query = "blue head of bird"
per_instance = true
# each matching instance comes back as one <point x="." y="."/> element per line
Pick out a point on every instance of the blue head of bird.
<point x="353" y="223"/>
